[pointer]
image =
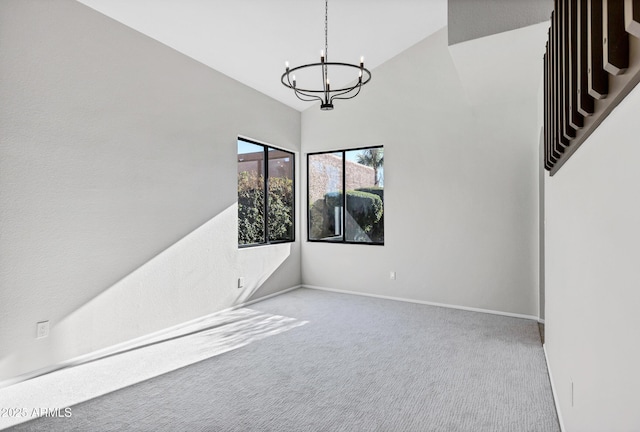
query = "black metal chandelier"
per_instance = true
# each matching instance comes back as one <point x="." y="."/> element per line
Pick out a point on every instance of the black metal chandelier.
<point x="326" y="94"/>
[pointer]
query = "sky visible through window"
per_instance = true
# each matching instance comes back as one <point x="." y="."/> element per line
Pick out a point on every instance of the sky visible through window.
<point x="246" y="147"/>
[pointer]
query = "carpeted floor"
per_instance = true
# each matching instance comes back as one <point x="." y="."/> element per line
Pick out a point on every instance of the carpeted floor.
<point x="359" y="364"/>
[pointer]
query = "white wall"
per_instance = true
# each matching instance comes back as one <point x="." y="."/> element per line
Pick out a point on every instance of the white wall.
<point x="118" y="185"/>
<point x="592" y="277"/>
<point x="461" y="184"/>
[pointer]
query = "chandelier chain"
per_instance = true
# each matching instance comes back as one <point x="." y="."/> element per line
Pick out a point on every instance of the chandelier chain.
<point x="326" y="32"/>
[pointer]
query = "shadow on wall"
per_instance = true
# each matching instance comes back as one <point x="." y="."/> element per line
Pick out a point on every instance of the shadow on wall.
<point x="194" y="277"/>
<point x="258" y="264"/>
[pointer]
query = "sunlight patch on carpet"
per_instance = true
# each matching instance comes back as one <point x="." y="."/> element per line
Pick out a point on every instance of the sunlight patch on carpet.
<point x="209" y="337"/>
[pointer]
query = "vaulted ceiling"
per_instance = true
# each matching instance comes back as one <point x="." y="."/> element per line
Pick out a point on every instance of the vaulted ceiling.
<point x="249" y="40"/>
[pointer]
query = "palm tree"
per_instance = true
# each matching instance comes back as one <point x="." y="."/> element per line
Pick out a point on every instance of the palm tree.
<point x="374" y="158"/>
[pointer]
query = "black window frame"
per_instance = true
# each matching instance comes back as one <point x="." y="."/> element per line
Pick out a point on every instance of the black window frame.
<point x="344" y="198"/>
<point x="265" y="149"/>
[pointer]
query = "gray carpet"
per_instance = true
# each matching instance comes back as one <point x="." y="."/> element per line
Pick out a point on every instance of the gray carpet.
<point x="360" y="364"/>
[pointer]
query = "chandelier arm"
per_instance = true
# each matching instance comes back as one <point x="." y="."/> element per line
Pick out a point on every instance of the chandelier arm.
<point x="288" y="80"/>
<point x="344" y="93"/>
<point x="288" y="83"/>
<point x="313" y="97"/>
<point x="337" y="94"/>
<point x="307" y="98"/>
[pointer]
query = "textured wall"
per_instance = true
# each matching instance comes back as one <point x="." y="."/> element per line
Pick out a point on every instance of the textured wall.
<point x="472" y="19"/>
<point x="118" y="185"/>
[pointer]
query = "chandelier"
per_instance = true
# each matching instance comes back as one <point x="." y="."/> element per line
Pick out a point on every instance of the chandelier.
<point x="326" y="94"/>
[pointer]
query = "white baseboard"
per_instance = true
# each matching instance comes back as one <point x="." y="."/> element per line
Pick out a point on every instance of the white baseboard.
<point x="133" y="343"/>
<point x="450" y="306"/>
<point x="553" y="390"/>
<point x="275" y="294"/>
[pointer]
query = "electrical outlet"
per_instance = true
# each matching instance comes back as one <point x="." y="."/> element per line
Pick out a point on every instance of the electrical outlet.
<point x="392" y="275"/>
<point x="42" y="329"/>
<point x="240" y="282"/>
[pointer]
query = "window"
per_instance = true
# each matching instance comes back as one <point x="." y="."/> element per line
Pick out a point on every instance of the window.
<point x="359" y="172"/>
<point x="265" y="171"/>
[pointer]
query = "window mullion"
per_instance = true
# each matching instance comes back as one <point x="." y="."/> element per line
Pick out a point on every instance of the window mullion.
<point x="308" y="201"/>
<point x="344" y="196"/>
<point x="266" y="194"/>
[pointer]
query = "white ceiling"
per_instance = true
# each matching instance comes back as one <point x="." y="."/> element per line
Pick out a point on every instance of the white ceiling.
<point x="249" y="40"/>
